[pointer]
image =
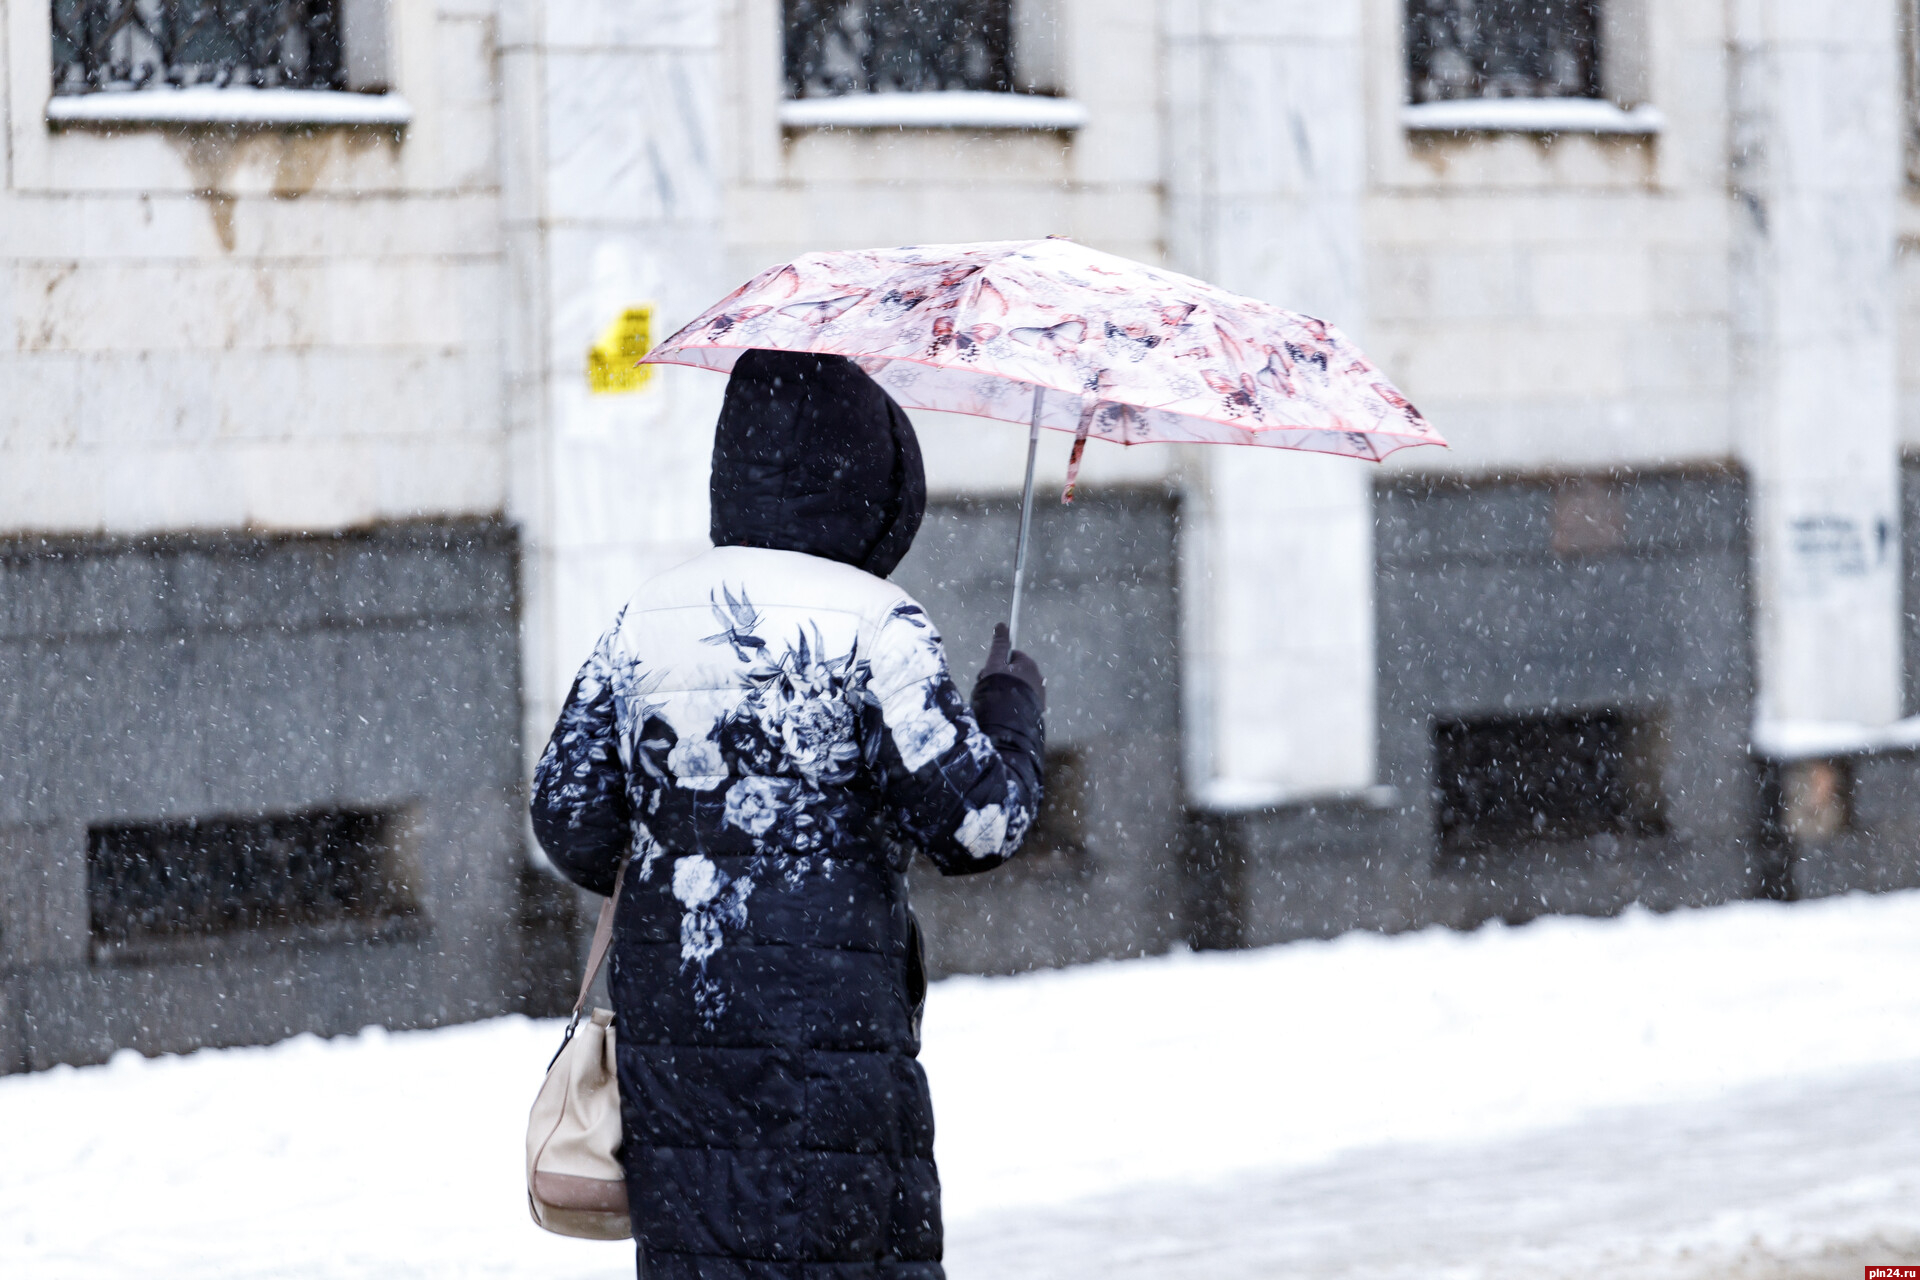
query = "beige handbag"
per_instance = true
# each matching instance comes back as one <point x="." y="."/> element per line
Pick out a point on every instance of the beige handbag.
<point x="575" y="1184"/>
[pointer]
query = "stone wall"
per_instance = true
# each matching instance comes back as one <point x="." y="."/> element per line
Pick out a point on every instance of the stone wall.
<point x="166" y="678"/>
<point x="1267" y="182"/>
<point x="1559" y="300"/>
<point x="1878" y="847"/>
<point x="610" y="200"/>
<point x="1625" y="595"/>
<point x="1101" y="617"/>
<point x="1907" y="317"/>
<point x="205" y="326"/>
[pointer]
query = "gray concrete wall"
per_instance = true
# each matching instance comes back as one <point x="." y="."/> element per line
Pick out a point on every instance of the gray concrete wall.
<point x="1510" y="598"/>
<point x="1102" y="620"/>
<point x="1910" y="584"/>
<point x="1880" y="848"/>
<point x="1877" y="848"/>
<point x="164" y="678"/>
<point x="1627" y="592"/>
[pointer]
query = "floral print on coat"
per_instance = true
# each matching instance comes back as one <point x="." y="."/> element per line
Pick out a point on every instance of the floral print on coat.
<point x="778" y="743"/>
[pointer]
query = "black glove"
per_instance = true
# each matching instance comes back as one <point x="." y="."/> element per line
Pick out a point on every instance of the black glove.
<point x="1004" y="660"/>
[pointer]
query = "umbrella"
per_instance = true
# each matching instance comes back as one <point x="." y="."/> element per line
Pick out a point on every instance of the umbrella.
<point x="1057" y="335"/>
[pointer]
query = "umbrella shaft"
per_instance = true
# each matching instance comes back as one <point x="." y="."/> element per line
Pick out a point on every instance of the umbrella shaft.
<point x="1026" y="521"/>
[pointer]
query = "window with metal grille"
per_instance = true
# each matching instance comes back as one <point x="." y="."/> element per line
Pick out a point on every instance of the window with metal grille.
<point x="139" y="44"/>
<point x="1502" y="49"/>
<point x="836" y="47"/>
<point x="1509" y="780"/>
<point x="155" y="881"/>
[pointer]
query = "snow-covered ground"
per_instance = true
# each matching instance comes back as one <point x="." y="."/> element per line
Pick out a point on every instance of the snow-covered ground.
<point x="1731" y="1093"/>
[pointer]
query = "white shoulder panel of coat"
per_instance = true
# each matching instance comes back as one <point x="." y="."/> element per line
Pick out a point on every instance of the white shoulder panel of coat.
<point x="770" y="580"/>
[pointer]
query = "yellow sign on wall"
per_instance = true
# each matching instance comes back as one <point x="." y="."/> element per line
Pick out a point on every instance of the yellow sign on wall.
<point x="611" y="368"/>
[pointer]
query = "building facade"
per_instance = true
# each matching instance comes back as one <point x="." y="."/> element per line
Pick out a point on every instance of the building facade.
<point x="321" y="466"/>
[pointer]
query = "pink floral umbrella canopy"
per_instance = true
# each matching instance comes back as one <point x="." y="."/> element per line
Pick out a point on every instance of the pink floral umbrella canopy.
<point x="1055" y="334"/>
<point x="1137" y="355"/>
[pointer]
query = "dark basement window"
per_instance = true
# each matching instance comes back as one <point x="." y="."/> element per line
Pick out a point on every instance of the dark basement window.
<point x="1058" y="840"/>
<point x="325" y="872"/>
<point x="1510" y="780"/>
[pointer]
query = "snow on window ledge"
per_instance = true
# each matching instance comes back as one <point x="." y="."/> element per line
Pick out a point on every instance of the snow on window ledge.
<point x="1242" y="795"/>
<point x="205" y="104"/>
<point x="955" y="109"/>
<point x="1789" y="740"/>
<point x="1530" y="115"/>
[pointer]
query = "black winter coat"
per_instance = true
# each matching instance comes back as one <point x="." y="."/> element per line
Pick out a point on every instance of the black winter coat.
<point x="768" y="737"/>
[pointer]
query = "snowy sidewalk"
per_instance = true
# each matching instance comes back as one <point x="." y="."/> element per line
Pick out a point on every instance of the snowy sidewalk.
<point x="1731" y="1094"/>
<point x="1779" y="1182"/>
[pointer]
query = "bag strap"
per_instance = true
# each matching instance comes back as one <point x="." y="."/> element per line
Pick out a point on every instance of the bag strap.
<point x="602" y="940"/>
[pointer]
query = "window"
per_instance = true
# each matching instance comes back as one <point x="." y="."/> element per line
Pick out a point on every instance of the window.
<point x="153" y="882"/>
<point x="138" y="44"/>
<point x="1812" y="800"/>
<point x="1467" y="49"/>
<point x="838" y="47"/>
<point x="1058" y="841"/>
<point x="1509" y="780"/>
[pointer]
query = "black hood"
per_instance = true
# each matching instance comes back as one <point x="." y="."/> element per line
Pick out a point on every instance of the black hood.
<point x="811" y="455"/>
